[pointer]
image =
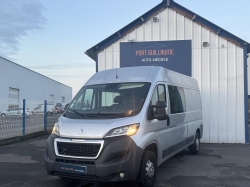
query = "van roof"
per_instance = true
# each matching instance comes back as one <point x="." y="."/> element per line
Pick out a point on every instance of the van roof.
<point x="150" y="74"/>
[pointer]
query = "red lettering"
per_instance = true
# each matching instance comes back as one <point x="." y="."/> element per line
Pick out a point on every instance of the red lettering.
<point x="140" y="52"/>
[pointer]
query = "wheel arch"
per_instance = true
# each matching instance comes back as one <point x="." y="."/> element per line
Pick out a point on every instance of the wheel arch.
<point x="152" y="147"/>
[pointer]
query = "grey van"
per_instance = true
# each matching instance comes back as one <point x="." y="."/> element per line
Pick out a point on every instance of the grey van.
<point x="124" y="123"/>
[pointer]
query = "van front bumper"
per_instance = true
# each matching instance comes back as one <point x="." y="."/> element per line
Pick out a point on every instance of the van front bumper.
<point x="118" y="155"/>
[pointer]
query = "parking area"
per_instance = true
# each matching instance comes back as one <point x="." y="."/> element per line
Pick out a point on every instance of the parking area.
<point x="220" y="165"/>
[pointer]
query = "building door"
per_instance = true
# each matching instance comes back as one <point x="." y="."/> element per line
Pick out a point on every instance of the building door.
<point x="13" y="97"/>
<point x="51" y="99"/>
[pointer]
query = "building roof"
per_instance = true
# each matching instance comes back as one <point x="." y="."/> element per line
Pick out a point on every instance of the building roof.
<point x="93" y="51"/>
<point x="33" y="71"/>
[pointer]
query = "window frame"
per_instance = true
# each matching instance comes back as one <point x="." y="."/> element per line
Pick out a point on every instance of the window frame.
<point x="184" y="99"/>
<point x="165" y="93"/>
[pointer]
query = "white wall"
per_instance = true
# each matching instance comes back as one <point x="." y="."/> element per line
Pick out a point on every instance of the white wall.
<point x="248" y="75"/>
<point x="218" y="69"/>
<point x="33" y="86"/>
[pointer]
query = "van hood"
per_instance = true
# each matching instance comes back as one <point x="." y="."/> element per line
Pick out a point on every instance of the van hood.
<point x="91" y="128"/>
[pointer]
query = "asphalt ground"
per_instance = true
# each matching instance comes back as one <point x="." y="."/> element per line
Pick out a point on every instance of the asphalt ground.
<point x="217" y="165"/>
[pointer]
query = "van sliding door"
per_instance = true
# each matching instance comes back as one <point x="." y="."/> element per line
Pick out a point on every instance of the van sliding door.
<point x="178" y="132"/>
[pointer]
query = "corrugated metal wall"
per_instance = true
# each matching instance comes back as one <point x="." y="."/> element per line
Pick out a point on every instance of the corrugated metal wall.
<point x="218" y="69"/>
<point x="31" y="85"/>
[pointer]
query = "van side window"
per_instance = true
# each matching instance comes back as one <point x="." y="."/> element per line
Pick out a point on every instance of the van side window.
<point x="177" y="99"/>
<point x="159" y="94"/>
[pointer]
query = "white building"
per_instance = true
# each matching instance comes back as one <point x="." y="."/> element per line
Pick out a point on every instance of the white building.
<point x="18" y="83"/>
<point x="215" y="57"/>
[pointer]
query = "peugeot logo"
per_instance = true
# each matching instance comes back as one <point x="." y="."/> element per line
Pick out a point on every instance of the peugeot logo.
<point x="80" y="132"/>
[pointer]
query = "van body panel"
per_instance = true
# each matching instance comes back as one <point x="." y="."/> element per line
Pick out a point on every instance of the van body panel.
<point x="91" y="129"/>
<point x="122" y="153"/>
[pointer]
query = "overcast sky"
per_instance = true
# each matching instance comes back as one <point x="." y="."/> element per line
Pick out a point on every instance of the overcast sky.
<point x="51" y="36"/>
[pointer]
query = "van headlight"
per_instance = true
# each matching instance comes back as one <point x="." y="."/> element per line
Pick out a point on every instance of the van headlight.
<point x="128" y="130"/>
<point x="56" y="129"/>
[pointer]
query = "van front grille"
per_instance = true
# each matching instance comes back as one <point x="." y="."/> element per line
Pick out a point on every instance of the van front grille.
<point x="78" y="162"/>
<point x="78" y="149"/>
<point x="76" y="176"/>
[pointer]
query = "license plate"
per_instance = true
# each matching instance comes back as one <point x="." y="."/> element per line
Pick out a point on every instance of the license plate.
<point x="73" y="169"/>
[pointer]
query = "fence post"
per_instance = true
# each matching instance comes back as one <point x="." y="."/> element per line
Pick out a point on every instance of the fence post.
<point x="24" y="115"/>
<point x="45" y="115"/>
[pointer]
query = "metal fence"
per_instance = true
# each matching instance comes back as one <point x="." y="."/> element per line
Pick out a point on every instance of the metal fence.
<point x="19" y="118"/>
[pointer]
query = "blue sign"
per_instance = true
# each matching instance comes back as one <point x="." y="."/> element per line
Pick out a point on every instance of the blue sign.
<point x="173" y="55"/>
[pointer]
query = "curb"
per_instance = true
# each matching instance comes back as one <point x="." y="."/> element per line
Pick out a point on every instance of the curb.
<point x="23" y="138"/>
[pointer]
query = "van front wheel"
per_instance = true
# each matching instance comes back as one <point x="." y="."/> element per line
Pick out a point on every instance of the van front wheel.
<point x="148" y="170"/>
<point x="195" y="147"/>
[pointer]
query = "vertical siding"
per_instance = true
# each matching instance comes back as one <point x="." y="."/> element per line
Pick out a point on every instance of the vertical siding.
<point x="231" y="92"/>
<point x="188" y="29"/>
<point x="148" y="31"/>
<point x="196" y="53"/>
<point x="172" y="25"/>
<point x="140" y="34"/>
<point x="205" y="83"/>
<point x="214" y="86"/>
<point x="222" y="91"/>
<point x="180" y="25"/>
<point x="164" y="25"/>
<point x="240" y="118"/>
<point x="156" y="30"/>
<point x="248" y="74"/>
<point x="101" y="60"/>
<point x="109" y="58"/>
<point x="218" y="69"/>
<point x="132" y="35"/>
<point x="116" y="54"/>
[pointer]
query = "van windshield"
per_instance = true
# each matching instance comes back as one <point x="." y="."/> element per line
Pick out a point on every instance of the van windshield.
<point x="113" y="100"/>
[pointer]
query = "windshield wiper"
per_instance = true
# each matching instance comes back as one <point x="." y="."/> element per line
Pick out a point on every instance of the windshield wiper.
<point x="78" y="113"/>
<point x="105" y="114"/>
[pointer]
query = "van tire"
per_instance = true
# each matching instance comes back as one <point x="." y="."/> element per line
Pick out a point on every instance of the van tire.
<point x="3" y="115"/>
<point x="48" y="113"/>
<point x="148" y="170"/>
<point x="195" y="147"/>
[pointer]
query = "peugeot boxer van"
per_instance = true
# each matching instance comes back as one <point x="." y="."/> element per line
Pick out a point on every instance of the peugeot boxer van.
<point x="124" y="123"/>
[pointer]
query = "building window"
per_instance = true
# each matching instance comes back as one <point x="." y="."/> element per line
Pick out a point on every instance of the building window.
<point x="13" y="93"/>
<point x="13" y="97"/>
<point x="51" y="99"/>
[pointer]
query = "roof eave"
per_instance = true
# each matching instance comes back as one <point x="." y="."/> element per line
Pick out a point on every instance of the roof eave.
<point x="92" y="52"/>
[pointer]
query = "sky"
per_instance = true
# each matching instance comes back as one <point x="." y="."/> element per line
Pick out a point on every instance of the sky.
<point x="50" y="37"/>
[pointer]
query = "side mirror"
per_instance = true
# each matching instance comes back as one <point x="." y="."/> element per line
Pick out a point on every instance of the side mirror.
<point x="157" y="111"/>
